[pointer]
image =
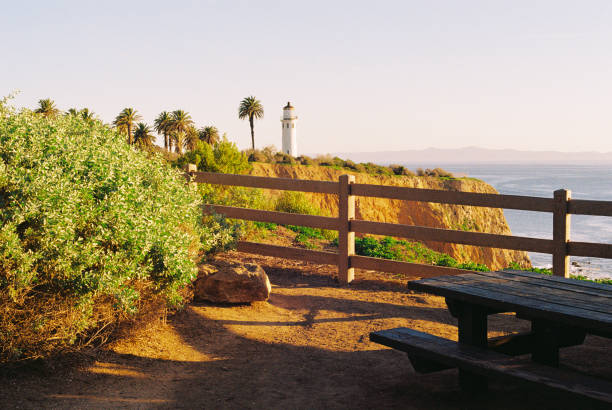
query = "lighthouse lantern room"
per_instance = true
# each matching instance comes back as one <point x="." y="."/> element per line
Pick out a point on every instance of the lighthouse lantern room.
<point x="289" y="132"/>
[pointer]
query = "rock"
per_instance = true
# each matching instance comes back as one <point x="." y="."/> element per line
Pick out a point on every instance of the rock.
<point x="233" y="283"/>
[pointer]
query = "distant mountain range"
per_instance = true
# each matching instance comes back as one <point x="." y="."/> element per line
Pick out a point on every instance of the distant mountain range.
<point x="476" y="155"/>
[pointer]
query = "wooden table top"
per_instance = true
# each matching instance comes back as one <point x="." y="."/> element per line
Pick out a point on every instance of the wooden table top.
<point x="570" y="302"/>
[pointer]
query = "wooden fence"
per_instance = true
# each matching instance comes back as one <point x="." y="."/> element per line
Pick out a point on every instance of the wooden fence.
<point x="560" y="246"/>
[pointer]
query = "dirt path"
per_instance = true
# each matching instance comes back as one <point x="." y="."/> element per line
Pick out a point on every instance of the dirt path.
<point x="307" y="347"/>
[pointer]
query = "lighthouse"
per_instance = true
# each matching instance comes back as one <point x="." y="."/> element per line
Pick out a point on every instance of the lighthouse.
<point x="289" y="133"/>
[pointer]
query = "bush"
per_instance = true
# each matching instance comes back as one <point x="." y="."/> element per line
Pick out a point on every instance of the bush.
<point x="436" y="172"/>
<point x="91" y="228"/>
<point x="223" y="157"/>
<point x="401" y="170"/>
<point x="324" y="160"/>
<point x="257" y="156"/>
<point x="265" y="155"/>
<point x="271" y="156"/>
<point x="295" y="203"/>
<point x="374" y="169"/>
<point x="281" y="158"/>
<point x="401" y="250"/>
<point x="544" y="271"/>
<point x="298" y="203"/>
<point x="305" y="160"/>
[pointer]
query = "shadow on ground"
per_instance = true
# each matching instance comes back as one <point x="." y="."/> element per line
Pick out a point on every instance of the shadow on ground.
<point x="307" y="348"/>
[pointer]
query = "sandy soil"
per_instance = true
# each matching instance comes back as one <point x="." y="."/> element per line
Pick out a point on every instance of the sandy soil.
<point x="307" y="347"/>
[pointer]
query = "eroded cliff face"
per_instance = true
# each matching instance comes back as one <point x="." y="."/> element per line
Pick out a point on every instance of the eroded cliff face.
<point x="459" y="217"/>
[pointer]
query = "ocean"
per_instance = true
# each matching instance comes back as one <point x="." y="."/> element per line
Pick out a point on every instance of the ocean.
<point x="585" y="182"/>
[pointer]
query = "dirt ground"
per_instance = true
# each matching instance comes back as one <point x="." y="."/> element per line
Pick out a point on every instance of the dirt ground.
<point x="307" y="347"/>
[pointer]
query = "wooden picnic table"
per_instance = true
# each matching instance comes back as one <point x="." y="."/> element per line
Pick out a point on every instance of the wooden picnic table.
<point x="562" y="311"/>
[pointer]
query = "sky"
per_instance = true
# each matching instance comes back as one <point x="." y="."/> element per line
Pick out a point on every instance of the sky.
<point x="362" y="75"/>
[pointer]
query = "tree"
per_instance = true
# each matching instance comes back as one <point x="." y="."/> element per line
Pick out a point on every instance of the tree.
<point x="87" y="115"/>
<point x="251" y="108"/>
<point x="162" y="126"/>
<point x="125" y="122"/>
<point x="180" y="123"/>
<point x="47" y="108"/>
<point x="83" y="113"/>
<point x="209" y="135"/>
<point x="192" y="139"/>
<point x="143" y="137"/>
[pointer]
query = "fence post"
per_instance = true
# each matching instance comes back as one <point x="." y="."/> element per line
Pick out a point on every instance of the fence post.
<point x="346" y="238"/>
<point x="561" y="233"/>
<point x="189" y="168"/>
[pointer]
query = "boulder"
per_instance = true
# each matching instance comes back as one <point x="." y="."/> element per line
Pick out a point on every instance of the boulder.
<point x="232" y="283"/>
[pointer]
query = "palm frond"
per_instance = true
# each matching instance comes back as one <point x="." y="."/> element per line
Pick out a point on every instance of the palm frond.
<point x="250" y="107"/>
<point x="47" y="108"/>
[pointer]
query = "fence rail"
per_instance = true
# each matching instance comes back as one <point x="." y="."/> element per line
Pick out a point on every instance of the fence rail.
<point x="560" y="246"/>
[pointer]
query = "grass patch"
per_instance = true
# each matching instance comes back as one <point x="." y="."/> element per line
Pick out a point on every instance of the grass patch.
<point x="306" y="235"/>
<point x="269" y="226"/>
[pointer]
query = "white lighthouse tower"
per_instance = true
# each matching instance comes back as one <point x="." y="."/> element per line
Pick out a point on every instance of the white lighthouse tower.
<point x="289" y="131"/>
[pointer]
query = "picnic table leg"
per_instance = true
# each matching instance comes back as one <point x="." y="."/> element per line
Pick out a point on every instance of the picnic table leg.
<point x="472" y="324"/>
<point x="546" y="347"/>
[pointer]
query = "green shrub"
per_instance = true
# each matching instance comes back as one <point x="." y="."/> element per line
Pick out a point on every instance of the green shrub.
<point x="436" y="172"/>
<point x="282" y="158"/>
<point x="298" y="203"/>
<point x="223" y="157"/>
<point x="236" y="196"/>
<point x="257" y="156"/>
<point x="400" y="250"/>
<point x="295" y="203"/>
<point x="600" y="281"/>
<point x="446" y="260"/>
<point x="270" y="226"/>
<point x="516" y="266"/>
<point x="305" y="160"/>
<point x="375" y="169"/>
<point x="479" y="267"/>
<point x="401" y="170"/>
<point x="306" y="233"/>
<point x="549" y="272"/>
<point x="91" y="228"/>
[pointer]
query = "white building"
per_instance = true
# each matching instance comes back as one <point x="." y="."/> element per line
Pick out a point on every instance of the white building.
<point x="289" y="132"/>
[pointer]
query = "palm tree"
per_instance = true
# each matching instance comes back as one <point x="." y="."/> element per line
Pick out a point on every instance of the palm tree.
<point x="125" y="122"/>
<point x="180" y="123"/>
<point x="193" y="137"/>
<point x="143" y="136"/>
<point x="83" y="113"/>
<point x="251" y="108"/>
<point x="47" y="108"/>
<point x="162" y="126"/>
<point x="87" y="115"/>
<point x="209" y="135"/>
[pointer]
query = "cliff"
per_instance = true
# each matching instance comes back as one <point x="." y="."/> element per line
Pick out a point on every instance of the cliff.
<point x="461" y="217"/>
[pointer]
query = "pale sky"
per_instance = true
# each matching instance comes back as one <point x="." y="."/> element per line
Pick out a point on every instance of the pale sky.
<point x="363" y="75"/>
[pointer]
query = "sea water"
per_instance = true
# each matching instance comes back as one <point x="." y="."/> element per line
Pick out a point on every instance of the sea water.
<point x="585" y="182"/>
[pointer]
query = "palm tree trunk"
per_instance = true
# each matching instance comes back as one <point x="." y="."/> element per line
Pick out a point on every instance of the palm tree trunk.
<point x="165" y="141"/>
<point x="130" y="134"/>
<point x="252" y="131"/>
<point x="179" y="145"/>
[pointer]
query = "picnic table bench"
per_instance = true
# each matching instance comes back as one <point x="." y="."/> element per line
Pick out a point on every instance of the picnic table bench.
<point x="561" y="311"/>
